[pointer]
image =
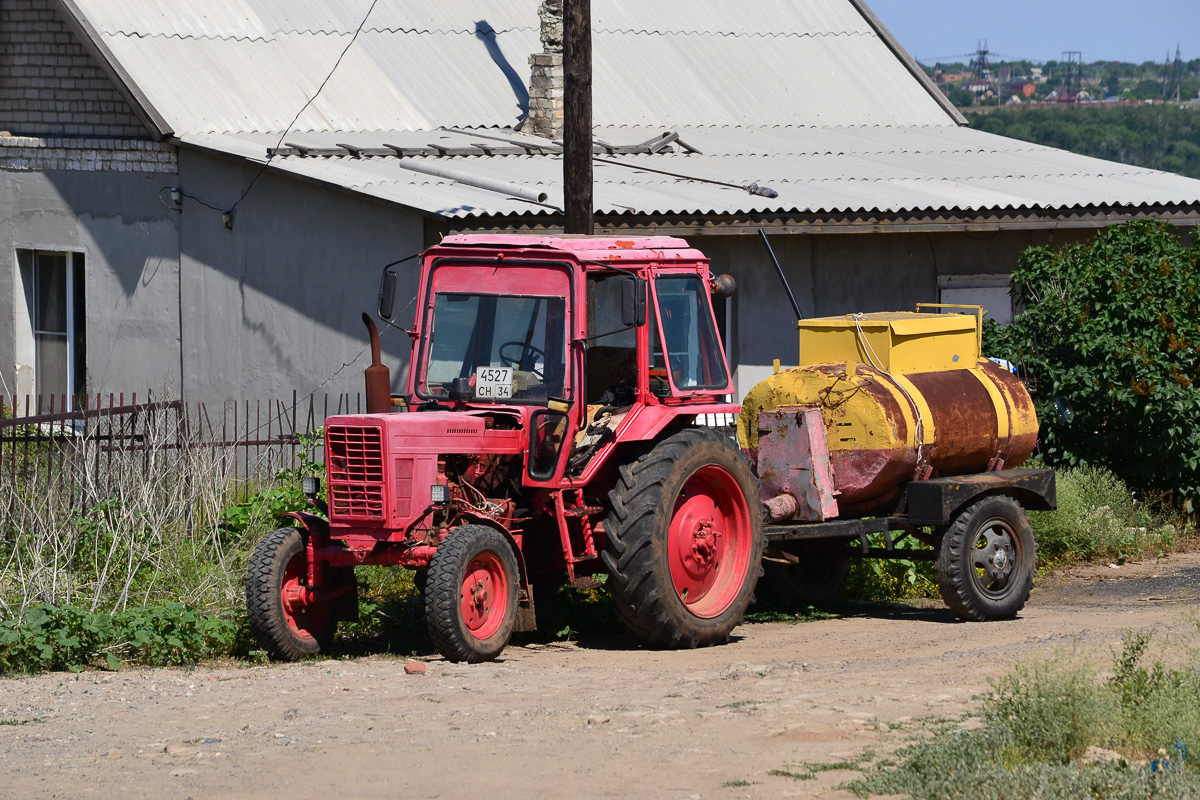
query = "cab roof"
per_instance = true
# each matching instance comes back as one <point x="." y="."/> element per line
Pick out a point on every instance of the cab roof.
<point x="585" y="248"/>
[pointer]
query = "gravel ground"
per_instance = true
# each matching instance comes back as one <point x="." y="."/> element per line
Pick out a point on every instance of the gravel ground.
<point x="602" y="718"/>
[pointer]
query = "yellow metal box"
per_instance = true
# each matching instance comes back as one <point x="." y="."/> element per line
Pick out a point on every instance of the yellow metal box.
<point x="894" y="341"/>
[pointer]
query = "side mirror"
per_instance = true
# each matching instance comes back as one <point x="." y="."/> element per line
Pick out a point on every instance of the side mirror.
<point x="387" y="294"/>
<point x="633" y="302"/>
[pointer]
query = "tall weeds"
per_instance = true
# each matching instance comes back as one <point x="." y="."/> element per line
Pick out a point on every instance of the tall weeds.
<point x="86" y="523"/>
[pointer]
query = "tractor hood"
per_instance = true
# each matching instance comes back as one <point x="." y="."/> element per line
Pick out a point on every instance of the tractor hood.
<point x="380" y="466"/>
<point x="438" y="432"/>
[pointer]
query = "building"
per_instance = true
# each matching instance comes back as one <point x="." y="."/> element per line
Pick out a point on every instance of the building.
<point x="201" y="198"/>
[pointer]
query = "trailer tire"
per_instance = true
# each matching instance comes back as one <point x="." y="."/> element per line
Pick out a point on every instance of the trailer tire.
<point x="816" y="580"/>
<point x="986" y="560"/>
<point x="471" y="594"/>
<point x="685" y="540"/>
<point x="284" y="626"/>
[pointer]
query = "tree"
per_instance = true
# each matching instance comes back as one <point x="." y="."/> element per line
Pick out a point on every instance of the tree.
<point x="1110" y="336"/>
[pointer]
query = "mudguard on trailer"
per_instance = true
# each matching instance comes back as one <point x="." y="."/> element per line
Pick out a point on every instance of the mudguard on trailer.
<point x="934" y="502"/>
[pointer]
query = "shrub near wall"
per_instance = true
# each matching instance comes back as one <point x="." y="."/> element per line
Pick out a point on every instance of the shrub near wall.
<point x="1110" y="335"/>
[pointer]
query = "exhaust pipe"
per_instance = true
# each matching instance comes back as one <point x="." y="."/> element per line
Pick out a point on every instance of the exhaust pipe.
<point x="378" y="377"/>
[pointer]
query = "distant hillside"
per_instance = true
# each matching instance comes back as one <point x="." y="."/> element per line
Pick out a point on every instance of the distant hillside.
<point x="1161" y="136"/>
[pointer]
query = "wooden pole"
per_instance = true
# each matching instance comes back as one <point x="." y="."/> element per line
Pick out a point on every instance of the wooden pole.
<point x="577" y="117"/>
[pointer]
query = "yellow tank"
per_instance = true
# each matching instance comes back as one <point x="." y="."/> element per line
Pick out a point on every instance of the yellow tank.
<point x="903" y="396"/>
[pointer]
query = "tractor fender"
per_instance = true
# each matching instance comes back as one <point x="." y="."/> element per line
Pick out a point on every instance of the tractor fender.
<point x="471" y="519"/>
<point x="309" y="523"/>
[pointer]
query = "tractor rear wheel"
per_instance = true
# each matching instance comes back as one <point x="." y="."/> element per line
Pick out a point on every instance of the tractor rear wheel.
<point x="471" y="594"/>
<point x="685" y="540"/>
<point x="986" y="560"/>
<point x="286" y="620"/>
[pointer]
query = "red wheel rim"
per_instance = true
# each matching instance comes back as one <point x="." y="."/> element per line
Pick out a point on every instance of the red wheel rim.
<point x="304" y="618"/>
<point x="483" y="598"/>
<point x="709" y="541"/>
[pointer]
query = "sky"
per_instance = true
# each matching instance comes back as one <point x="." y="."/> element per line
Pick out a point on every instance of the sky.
<point x="1040" y="30"/>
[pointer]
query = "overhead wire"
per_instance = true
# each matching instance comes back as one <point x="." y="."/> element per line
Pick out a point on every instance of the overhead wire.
<point x="288" y="129"/>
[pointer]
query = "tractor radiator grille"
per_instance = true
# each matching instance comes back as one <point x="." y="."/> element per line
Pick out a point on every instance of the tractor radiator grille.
<point x="354" y="455"/>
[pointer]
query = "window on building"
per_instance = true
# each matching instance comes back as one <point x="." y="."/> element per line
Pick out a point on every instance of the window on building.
<point x="49" y="329"/>
<point x="989" y="291"/>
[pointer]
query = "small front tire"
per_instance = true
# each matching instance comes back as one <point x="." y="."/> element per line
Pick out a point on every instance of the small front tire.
<point x="471" y="594"/>
<point x="986" y="560"/>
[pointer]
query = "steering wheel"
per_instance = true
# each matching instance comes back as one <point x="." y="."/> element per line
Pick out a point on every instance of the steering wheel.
<point x="526" y="350"/>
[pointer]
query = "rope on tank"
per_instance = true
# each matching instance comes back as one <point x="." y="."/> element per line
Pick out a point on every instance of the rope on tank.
<point x="877" y="363"/>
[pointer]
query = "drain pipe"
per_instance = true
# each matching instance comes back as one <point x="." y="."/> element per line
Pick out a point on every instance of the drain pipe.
<point x="466" y="178"/>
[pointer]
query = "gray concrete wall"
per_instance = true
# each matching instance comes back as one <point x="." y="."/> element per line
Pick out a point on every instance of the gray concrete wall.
<point x="834" y="274"/>
<point x="275" y="304"/>
<point x="130" y="245"/>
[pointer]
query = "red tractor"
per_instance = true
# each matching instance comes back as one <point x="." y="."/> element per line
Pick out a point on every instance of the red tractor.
<point x="549" y="423"/>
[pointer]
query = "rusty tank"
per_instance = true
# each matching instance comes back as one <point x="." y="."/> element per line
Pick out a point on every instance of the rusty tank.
<point x="901" y="396"/>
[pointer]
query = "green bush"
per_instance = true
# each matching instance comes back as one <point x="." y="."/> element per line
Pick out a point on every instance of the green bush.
<point x="1110" y="336"/>
<point x="1098" y="517"/>
<point x="891" y="579"/>
<point x="48" y="637"/>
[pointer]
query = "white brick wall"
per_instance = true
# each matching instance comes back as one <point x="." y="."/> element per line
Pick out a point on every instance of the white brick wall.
<point x="25" y="153"/>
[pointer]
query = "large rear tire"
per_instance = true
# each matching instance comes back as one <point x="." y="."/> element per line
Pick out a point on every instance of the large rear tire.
<point x="685" y="540"/>
<point x="283" y="621"/>
<point x="986" y="560"/>
<point x="471" y="594"/>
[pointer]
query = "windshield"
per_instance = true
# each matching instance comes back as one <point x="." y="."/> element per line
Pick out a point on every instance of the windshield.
<point x="693" y="354"/>
<point x="509" y="349"/>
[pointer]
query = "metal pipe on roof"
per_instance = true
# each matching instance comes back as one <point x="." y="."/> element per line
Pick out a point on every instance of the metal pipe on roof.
<point x="467" y="179"/>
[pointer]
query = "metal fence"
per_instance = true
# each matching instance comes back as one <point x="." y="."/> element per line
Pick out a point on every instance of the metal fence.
<point x="49" y="434"/>
<point x="256" y="437"/>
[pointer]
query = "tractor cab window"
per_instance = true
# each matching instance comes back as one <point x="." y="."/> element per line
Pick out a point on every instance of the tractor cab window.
<point x="689" y="340"/>
<point x="507" y="349"/>
<point x="611" y="368"/>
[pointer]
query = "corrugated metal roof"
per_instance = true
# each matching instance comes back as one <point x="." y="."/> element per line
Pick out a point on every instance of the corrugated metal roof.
<point x="264" y="19"/>
<point x="802" y="95"/>
<point x="250" y="65"/>
<point x="815" y="170"/>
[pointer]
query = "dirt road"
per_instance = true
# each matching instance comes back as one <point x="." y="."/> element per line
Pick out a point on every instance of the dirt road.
<point x="601" y="719"/>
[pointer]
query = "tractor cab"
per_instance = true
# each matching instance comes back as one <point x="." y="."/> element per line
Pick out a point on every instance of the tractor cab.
<point x="557" y="333"/>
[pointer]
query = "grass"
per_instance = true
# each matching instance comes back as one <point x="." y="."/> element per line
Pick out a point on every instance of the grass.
<point x="1039" y="721"/>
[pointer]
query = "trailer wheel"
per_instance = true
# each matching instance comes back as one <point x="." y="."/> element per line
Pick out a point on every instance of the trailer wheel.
<point x="471" y="594"/>
<point x="685" y="540"/>
<point x="986" y="560"/>
<point x="284" y="620"/>
<point x="816" y="580"/>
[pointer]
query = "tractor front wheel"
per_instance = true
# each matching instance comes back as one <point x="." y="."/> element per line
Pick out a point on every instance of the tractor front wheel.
<point x="685" y="540"/>
<point x="286" y="616"/>
<point x="471" y="594"/>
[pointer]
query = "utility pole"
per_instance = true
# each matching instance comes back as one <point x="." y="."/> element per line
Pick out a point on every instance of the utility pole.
<point x="1178" y="77"/>
<point x="1074" y="72"/>
<point x="577" y="117"/>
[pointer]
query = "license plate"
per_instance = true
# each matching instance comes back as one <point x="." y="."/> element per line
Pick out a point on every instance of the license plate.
<point x="494" y="383"/>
